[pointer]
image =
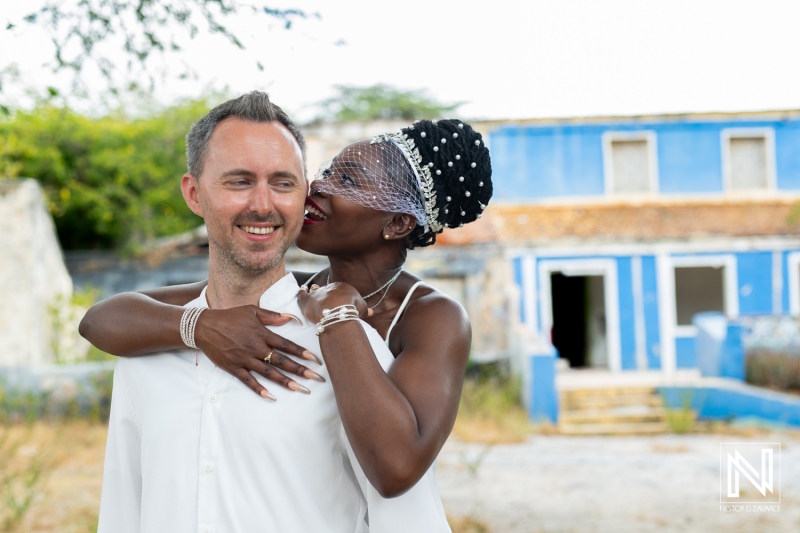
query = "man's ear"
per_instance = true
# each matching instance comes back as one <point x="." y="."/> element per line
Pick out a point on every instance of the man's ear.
<point x="399" y="226"/>
<point x="189" y="188"/>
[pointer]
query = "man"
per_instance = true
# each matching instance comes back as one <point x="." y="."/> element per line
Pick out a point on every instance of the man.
<point x="190" y="448"/>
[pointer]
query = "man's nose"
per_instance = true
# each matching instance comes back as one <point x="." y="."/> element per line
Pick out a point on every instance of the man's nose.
<point x="261" y="199"/>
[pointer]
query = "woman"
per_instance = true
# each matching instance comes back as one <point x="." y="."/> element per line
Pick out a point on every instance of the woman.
<point x="376" y="200"/>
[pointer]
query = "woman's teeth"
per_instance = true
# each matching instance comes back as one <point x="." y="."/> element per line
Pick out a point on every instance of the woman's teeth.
<point x="258" y="231"/>
<point x="316" y="212"/>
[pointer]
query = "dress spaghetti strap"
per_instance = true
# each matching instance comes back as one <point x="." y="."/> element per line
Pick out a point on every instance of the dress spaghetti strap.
<point x="401" y="309"/>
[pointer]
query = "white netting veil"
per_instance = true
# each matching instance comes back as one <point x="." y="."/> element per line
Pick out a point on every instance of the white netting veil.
<point x="378" y="174"/>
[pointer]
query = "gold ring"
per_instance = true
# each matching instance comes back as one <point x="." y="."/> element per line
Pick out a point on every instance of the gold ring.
<point x="268" y="358"/>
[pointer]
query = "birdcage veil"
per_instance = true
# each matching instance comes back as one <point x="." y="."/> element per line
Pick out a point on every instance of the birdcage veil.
<point x="439" y="171"/>
<point x="380" y="174"/>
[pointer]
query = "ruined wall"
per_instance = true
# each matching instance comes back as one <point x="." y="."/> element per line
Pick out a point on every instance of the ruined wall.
<point x="34" y="282"/>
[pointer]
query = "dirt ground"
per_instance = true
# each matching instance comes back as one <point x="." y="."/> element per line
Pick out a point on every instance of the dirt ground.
<point x="667" y="483"/>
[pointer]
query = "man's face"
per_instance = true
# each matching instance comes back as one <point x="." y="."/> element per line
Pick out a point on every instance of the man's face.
<point x="251" y="193"/>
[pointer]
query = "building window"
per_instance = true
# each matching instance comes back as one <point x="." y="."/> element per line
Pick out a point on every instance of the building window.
<point x="630" y="162"/>
<point x="748" y="156"/>
<point x="698" y="289"/>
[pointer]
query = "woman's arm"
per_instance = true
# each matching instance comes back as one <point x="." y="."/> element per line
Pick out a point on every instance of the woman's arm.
<point x="137" y="323"/>
<point x="131" y="324"/>
<point x="397" y="422"/>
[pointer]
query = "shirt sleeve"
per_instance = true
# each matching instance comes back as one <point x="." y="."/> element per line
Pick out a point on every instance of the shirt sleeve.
<point x="121" y="497"/>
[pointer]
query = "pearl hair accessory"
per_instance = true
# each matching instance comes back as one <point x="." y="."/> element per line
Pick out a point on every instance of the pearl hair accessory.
<point x="449" y="163"/>
<point x="435" y="148"/>
<point x="467" y="194"/>
<point x="444" y="140"/>
<point x="480" y="184"/>
<point x="438" y="172"/>
<point x="455" y="135"/>
<point x="477" y="143"/>
<point x="188" y="325"/>
<point x="463" y="213"/>
<point x="458" y="157"/>
<point x="460" y="126"/>
<point x="461" y="178"/>
<point x="422" y="135"/>
<point x="448" y="198"/>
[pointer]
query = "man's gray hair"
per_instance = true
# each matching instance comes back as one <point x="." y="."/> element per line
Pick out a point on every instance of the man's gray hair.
<point x="254" y="106"/>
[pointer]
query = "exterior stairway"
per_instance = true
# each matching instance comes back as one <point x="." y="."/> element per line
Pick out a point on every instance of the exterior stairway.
<point x="612" y="411"/>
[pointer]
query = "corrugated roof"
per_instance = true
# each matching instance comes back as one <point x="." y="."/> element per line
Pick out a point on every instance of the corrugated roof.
<point x="643" y="221"/>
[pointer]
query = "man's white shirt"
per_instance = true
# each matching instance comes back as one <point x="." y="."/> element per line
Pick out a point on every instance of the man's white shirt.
<point x="190" y="448"/>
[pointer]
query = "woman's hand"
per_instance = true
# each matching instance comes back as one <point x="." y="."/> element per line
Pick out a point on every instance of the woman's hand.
<point x="314" y="299"/>
<point x="236" y="340"/>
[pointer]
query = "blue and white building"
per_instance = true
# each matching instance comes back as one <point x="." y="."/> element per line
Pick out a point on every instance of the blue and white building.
<point x="621" y="230"/>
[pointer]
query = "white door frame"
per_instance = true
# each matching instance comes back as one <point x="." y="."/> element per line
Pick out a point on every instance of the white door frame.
<point x="793" y="267"/>
<point x="607" y="268"/>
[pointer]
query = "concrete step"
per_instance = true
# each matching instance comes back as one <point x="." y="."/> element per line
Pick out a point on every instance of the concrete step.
<point x="640" y="428"/>
<point x="608" y="391"/>
<point x="626" y="414"/>
<point x="605" y="402"/>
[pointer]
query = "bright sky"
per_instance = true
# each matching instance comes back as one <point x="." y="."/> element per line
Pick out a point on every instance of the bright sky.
<point x="504" y="58"/>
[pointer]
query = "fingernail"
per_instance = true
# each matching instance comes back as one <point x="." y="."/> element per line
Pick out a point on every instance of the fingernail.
<point x="295" y="386"/>
<point x="289" y="315"/>
<point x="370" y="312"/>
<point x="313" y="375"/>
<point x="267" y="395"/>
<point x="311" y="357"/>
<point x="304" y="288"/>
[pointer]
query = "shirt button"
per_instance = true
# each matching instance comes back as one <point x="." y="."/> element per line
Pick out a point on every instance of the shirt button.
<point x="209" y="467"/>
<point x="212" y="399"/>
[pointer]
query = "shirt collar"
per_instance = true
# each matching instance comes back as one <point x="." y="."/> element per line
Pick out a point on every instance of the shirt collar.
<point x="281" y="294"/>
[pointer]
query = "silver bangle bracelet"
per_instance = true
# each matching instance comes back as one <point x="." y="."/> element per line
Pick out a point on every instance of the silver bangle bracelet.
<point x="188" y="325"/>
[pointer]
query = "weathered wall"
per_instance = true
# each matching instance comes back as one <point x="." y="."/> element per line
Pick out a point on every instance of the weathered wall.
<point x="33" y="278"/>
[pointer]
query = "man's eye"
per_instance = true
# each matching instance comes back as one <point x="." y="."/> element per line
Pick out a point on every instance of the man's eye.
<point x="326" y="173"/>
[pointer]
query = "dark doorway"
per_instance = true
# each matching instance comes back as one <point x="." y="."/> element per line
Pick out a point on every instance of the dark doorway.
<point x="579" y="328"/>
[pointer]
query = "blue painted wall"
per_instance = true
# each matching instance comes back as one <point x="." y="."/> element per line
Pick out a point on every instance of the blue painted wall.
<point x="754" y="293"/>
<point x="534" y="162"/>
<point x="651" y="312"/>
<point x="516" y="265"/>
<point x="685" y="355"/>
<point x="627" y="328"/>
<point x="754" y="273"/>
<point x="734" y="401"/>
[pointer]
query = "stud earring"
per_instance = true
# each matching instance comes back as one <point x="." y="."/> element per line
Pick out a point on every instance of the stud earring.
<point x="386" y="237"/>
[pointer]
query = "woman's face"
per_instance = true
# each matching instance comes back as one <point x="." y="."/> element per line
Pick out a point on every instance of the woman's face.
<point x="337" y="223"/>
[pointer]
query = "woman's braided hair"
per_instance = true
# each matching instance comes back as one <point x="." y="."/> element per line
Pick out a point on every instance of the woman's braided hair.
<point x="461" y="172"/>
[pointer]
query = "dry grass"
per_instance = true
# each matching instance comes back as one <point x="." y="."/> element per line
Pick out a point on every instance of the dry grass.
<point x="66" y="460"/>
<point x="467" y="525"/>
<point x="490" y="412"/>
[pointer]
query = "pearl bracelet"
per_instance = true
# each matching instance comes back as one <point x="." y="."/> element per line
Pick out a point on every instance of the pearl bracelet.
<point x="188" y="324"/>
<point x="343" y="313"/>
